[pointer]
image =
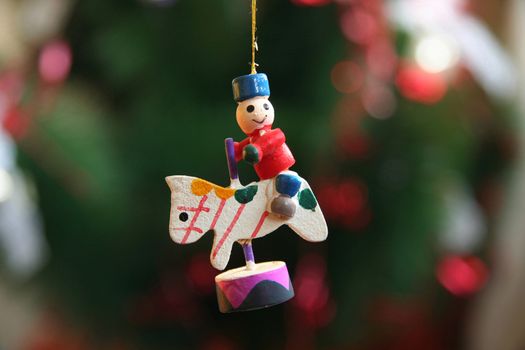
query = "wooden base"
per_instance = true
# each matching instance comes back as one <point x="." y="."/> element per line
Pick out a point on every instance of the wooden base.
<point x="265" y="285"/>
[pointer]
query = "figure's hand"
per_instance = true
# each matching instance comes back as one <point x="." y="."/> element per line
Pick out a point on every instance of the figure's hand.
<point x="251" y="154"/>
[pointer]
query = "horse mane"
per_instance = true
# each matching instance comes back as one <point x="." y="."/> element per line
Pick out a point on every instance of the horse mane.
<point x="200" y="187"/>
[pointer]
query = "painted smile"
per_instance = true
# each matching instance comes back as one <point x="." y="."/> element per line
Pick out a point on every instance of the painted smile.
<point x="262" y="121"/>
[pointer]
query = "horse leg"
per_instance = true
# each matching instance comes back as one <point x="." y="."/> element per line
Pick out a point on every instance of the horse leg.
<point x="221" y="251"/>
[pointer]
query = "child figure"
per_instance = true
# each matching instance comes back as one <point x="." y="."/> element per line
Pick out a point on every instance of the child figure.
<point x="265" y="148"/>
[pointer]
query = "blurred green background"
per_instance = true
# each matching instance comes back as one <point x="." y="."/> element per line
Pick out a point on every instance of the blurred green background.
<point x="407" y="146"/>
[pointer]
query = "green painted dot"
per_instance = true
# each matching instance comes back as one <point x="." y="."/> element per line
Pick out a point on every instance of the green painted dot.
<point x="307" y="199"/>
<point x="245" y="195"/>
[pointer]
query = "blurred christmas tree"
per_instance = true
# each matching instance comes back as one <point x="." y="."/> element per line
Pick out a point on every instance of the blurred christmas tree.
<point x="402" y="135"/>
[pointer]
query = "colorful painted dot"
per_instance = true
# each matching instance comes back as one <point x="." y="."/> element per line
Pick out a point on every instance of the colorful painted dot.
<point x="307" y="199"/>
<point x="245" y="195"/>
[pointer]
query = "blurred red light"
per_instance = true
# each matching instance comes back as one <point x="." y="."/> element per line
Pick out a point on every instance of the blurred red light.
<point x="381" y="59"/>
<point x="462" y="275"/>
<point x="359" y="26"/>
<point x="201" y="275"/>
<point x="312" y="293"/>
<point x="55" y="62"/>
<point x="311" y="2"/>
<point x="350" y="198"/>
<point x="421" y="86"/>
<point x="345" y="203"/>
<point x="355" y="146"/>
<point x="379" y="101"/>
<point x="11" y="85"/>
<point x="16" y="122"/>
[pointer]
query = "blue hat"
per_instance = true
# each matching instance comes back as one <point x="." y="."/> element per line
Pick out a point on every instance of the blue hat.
<point x="251" y="85"/>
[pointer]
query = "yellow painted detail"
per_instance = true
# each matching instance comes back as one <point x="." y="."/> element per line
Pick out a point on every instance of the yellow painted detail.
<point x="200" y="187"/>
<point x="223" y="192"/>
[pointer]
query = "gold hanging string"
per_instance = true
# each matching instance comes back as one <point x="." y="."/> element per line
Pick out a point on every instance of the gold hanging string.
<point x="254" y="41"/>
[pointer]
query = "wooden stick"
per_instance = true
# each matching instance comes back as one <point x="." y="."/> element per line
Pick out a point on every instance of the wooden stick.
<point x="230" y="157"/>
<point x="234" y="182"/>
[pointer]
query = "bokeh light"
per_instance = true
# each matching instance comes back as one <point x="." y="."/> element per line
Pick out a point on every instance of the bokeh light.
<point x="436" y="54"/>
<point x="345" y="203"/>
<point x="200" y="274"/>
<point x="462" y="276"/>
<point x="421" y="86"/>
<point x="381" y="60"/>
<point x="355" y="145"/>
<point x="311" y="2"/>
<point x="16" y="122"/>
<point x="312" y="292"/>
<point x="11" y="86"/>
<point x="55" y="62"/>
<point x="379" y="101"/>
<point x="358" y="26"/>
<point x="6" y="185"/>
<point x="347" y="77"/>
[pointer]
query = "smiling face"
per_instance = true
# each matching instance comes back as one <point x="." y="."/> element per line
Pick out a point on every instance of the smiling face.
<point x="254" y="113"/>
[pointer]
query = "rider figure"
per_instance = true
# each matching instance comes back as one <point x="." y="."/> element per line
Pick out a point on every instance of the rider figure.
<point x="264" y="148"/>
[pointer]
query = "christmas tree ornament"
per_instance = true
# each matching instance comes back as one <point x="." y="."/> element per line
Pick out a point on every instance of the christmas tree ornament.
<point x="242" y="213"/>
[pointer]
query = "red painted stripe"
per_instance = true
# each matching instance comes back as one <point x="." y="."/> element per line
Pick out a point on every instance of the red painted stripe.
<point x="195" y="217"/>
<point x="217" y="214"/>
<point x="228" y="230"/>
<point x="259" y="224"/>
<point x="185" y="229"/>
<point x="206" y="209"/>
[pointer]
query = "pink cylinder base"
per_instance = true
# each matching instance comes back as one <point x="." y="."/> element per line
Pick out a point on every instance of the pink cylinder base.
<point x="241" y="289"/>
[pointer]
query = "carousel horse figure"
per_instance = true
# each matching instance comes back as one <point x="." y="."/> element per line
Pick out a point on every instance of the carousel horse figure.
<point x="235" y="214"/>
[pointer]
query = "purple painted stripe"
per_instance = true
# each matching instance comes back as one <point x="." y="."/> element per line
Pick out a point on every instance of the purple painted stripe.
<point x="230" y="156"/>
<point x="237" y="290"/>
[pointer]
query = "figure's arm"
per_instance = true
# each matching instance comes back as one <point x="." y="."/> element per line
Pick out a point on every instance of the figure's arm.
<point x="265" y="145"/>
<point x="239" y="147"/>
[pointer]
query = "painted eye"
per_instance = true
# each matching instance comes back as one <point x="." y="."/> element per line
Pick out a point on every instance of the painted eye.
<point x="183" y="217"/>
<point x="266" y="106"/>
<point x="250" y="108"/>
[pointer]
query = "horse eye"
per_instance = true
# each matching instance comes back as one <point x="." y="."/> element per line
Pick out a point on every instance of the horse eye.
<point x="266" y="106"/>
<point x="250" y="108"/>
<point x="183" y="216"/>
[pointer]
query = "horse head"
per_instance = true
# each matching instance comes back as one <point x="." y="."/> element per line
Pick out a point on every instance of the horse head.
<point x="190" y="209"/>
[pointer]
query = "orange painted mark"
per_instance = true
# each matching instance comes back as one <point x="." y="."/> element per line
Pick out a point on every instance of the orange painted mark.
<point x="223" y="192"/>
<point x="259" y="224"/>
<point x="228" y="230"/>
<point x="200" y="187"/>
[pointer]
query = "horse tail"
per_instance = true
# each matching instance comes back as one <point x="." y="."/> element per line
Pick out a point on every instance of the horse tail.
<point x="308" y="222"/>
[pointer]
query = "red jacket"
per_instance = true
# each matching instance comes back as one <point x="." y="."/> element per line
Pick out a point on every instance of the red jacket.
<point x="274" y="154"/>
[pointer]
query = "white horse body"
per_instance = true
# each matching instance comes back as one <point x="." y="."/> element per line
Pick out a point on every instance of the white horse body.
<point x="234" y="214"/>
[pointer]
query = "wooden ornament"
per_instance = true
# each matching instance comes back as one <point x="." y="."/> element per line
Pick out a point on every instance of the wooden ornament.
<point x="243" y="213"/>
